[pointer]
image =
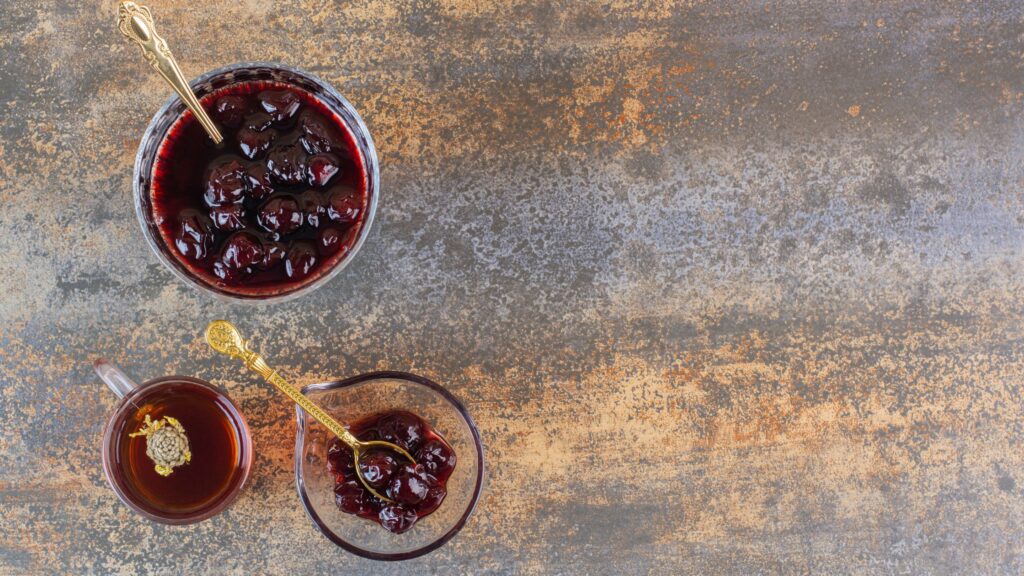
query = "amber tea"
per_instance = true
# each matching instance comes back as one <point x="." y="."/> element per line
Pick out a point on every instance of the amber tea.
<point x="214" y="446"/>
<point x="176" y="449"/>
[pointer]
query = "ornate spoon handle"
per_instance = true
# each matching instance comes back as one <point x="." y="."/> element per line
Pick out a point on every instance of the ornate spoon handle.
<point x="256" y="363"/>
<point x="136" y="23"/>
<point x="224" y="338"/>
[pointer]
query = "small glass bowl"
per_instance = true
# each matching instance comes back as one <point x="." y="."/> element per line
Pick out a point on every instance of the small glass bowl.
<point x="214" y="80"/>
<point x="358" y="397"/>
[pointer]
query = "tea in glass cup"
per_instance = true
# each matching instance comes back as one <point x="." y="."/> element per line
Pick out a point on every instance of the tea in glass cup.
<point x="176" y="449"/>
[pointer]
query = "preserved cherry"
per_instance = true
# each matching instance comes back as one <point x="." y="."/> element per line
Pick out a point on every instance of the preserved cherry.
<point x="416" y="490"/>
<point x="279" y="202"/>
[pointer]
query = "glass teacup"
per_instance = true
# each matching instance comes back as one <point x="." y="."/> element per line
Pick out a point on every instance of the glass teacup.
<point x="219" y="447"/>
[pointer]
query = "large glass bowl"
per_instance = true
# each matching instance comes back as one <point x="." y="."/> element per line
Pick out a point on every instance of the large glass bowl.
<point x="203" y="86"/>
<point x="358" y="397"/>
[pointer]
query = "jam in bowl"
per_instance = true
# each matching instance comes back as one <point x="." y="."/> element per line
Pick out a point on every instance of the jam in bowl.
<point x="275" y="210"/>
<point x="415" y="490"/>
<point x="432" y="499"/>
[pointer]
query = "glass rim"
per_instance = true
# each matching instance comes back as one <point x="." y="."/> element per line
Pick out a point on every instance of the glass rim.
<point x="157" y="246"/>
<point x="245" y="445"/>
<point x="300" y="486"/>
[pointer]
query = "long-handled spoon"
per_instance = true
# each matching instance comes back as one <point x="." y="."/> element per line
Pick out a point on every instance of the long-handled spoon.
<point x="136" y="23"/>
<point x="223" y="337"/>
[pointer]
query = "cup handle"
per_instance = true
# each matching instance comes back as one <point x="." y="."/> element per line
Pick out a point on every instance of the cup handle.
<point x="117" y="381"/>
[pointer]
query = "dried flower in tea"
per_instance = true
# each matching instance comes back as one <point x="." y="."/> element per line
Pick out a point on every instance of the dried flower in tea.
<point x="166" y="443"/>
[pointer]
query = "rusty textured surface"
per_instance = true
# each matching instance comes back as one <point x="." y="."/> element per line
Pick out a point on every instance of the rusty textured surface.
<point x="776" y="247"/>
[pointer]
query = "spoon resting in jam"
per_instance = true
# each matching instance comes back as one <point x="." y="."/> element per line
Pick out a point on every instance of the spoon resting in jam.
<point x="223" y="337"/>
<point x="136" y="24"/>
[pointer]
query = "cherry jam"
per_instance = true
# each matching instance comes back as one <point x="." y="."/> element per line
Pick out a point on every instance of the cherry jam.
<point x="417" y="490"/>
<point x="276" y="205"/>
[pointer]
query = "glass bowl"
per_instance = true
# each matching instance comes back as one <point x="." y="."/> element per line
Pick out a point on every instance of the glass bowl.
<point x="213" y="81"/>
<point x="358" y="397"/>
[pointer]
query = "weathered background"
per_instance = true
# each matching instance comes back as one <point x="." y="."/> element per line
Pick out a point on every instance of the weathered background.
<point x="729" y="287"/>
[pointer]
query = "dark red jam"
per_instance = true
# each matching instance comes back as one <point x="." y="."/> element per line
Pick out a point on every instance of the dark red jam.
<point x="276" y="205"/>
<point x="417" y="490"/>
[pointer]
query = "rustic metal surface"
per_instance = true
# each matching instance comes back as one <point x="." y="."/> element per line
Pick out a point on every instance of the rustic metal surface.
<point x="775" y="247"/>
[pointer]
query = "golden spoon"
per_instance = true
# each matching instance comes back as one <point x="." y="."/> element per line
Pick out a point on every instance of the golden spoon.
<point x="223" y="337"/>
<point x="136" y="23"/>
